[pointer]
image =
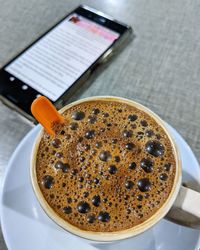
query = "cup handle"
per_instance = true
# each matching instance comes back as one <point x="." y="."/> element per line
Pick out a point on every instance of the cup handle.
<point x="186" y="208"/>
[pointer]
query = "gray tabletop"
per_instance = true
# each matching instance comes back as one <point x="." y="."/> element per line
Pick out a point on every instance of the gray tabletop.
<point x="160" y="68"/>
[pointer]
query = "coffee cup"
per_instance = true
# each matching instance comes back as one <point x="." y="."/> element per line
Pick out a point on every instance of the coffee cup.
<point x="181" y="206"/>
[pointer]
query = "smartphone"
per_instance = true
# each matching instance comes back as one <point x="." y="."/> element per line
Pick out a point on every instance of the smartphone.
<point x="60" y="60"/>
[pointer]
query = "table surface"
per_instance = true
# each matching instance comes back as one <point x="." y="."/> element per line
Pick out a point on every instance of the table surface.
<point x="159" y="68"/>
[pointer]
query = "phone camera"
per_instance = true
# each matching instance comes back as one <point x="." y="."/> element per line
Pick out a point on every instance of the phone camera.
<point x="11" y="78"/>
<point x="99" y="19"/>
<point x="24" y="87"/>
<point x="102" y="20"/>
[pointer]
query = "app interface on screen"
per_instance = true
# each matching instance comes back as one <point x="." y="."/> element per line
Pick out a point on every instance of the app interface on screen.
<point x="58" y="59"/>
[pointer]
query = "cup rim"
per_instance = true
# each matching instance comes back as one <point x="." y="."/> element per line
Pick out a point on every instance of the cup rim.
<point x="117" y="235"/>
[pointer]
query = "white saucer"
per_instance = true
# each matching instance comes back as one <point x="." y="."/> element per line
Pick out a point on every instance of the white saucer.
<point x="26" y="227"/>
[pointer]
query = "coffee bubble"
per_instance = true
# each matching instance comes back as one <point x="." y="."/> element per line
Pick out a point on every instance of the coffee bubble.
<point x="144" y="123"/>
<point x="139" y="197"/>
<point x="87" y="147"/>
<point x="104" y="216"/>
<point x="98" y="144"/>
<point x="85" y="194"/>
<point x="149" y="133"/>
<point x="92" y="119"/>
<point x="91" y="218"/>
<point x="95" y="111"/>
<point x="59" y="165"/>
<point x="112" y="169"/>
<point x="59" y="154"/>
<point x="83" y="207"/>
<point x="129" y="145"/>
<point x="167" y="167"/>
<point x="96" y="200"/>
<point x="81" y="179"/>
<point x="129" y="184"/>
<point x="73" y="126"/>
<point x="96" y="180"/>
<point x="105" y="115"/>
<point x="78" y="115"/>
<point x="144" y="184"/>
<point x="48" y="181"/>
<point x="132" y="118"/>
<point x="147" y="165"/>
<point x="155" y="148"/>
<point x="67" y="210"/>
<point x="56" y="143"/>
<point x="90" y="134"/>
<point x="104" y="156"/>
<point x="114" y="141"/>
<point x="132" y="165"/>
<point x="127" y="133"/>
<point x="163" y="177"/>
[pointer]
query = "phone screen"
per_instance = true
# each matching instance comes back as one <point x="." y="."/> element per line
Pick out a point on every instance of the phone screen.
<point x="59" y="58"/>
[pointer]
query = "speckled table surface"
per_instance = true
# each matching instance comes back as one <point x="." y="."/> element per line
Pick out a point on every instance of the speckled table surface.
<point x="159" y="68"/>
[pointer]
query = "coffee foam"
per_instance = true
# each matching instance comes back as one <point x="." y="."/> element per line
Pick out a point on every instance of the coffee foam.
<point x="90" y="158"/>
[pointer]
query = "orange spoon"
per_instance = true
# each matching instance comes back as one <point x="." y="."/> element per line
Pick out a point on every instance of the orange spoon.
<point x="46" y="114"/>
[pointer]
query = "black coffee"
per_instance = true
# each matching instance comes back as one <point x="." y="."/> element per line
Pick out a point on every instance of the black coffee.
<point x="110" y="167"/>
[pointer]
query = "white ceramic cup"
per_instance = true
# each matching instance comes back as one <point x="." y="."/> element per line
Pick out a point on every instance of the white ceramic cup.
<point x="182" y="205"/>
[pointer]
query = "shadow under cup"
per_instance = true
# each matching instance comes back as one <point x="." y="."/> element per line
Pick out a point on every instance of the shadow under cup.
<point x="102" y="237"/>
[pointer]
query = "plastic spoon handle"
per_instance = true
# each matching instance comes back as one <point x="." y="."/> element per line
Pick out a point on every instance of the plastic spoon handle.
<point x="46" y="114"/>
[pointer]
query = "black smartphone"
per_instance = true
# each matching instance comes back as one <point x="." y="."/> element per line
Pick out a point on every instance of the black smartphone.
<point x="61" y="59"/>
